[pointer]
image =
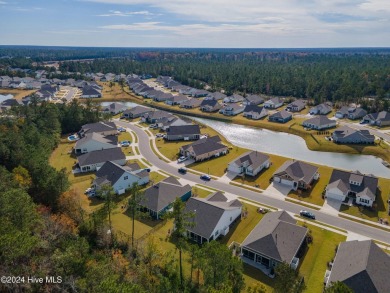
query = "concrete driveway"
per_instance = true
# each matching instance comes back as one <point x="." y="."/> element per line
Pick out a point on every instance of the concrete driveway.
<point x="278" y="190"/>
<point x="331" y="206"/>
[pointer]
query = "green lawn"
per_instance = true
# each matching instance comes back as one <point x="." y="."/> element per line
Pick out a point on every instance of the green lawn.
<point x="314" y="195"/>
<point x="156" y="177"/>
<point x="380" y="206"/>
<point x="139" y="162"/>
<point x="314" y="263"/>
<point x="125" y="136"/>
<point x="200" y="192"/>
<point x="262" y="179"/>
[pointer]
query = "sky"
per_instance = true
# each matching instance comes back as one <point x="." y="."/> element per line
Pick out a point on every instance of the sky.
<point x="196" y="23"/>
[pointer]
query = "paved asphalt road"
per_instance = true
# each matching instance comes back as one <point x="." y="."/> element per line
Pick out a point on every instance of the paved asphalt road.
<point x="345" y="224"/>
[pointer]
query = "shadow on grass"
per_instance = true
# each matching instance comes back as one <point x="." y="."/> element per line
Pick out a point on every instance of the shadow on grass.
<point x="301" y="193"/>
<point x="258" y="275"/>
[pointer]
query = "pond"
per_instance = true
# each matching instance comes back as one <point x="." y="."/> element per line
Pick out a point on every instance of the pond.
<point x="127" y="104"/>
<point x="292" y="146"/>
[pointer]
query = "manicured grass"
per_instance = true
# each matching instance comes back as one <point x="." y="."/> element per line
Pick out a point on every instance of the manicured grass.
<point x="200" y="192"/>
<point x="345" y="216"/>
<point x="322" y="250"/>
<point x="204" y="186"/>
<point x="257" y="203"/>
<point x="156" y="177"/>
<point x="135" y="137"/>
<point x="302" y="204"/>
<point x="156" y="153"/>
<point x="256" y="189"/>
<point x="146" y="162"/>
<point x="262" y="180"/>
<point x="139" y="162"/>
<point x="125" y="136"/>
<point x="256" y="278"/>
<point x="380" y="206"/>
<point x="322" y="224"/>
<point x="136" y="150"/>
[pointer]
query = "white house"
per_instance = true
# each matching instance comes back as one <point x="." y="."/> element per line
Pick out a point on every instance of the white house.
<point x="95" y="142"/>
<point x="361" y="187"/>
<point x="92" y="161"/>
<point x="120" y="178"/>
<point x="255" y="112"/>
<point x="250" y="163"/>
<point x="273" y="103"/>
<point x="319" y="123"/>
<point x="213" y="216"/>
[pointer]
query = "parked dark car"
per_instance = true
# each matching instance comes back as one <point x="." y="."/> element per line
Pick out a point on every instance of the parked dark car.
<point x="182" y="170"/>
<point x="205" y="177"/>
<point x="307" y="214"/>
<point x="147" y="169"/>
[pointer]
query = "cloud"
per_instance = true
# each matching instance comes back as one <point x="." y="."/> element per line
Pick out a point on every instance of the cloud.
<point x="126" y="14"/>
<point x="26" y="9"/>
<point x="3" y="2"/>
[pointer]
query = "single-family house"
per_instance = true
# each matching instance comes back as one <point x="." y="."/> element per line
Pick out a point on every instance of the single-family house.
<point x="176" y="100"/>
<point x="343" y="112"/>
<point x="162" y="97"/>
<point x="380" y="119"/>
<point x="296" y="174"/>
<point x="255" y="112"/>
<point x="296" y="106"/>
<point x="321" y="109"/>
<point x="232" y="109"/>
<point x="276" y="239"/>
<point x="204" y="149"/>
<point x="357" y="113"/>
<point x="212" y="216"/>
<point x="104" y="128"/>
<point x="92" y="161"/>
<point x="184" y="132"/>
<point x="155" y="116"/>
<point x="210" y="106"/>
<point x="347" y="135"/>
<point x="158" y="198"/>
<point x="253" y="100"/>
<point x="94" y="141"/>
<point x="192" y="103"/>
<point x="319" y="123"/>
<point x="136" y="112"/>
<point x="165" y="123"/>
<point x="114" y="108"/>
<point x="273" y="103"/>
<point x="282" y="116"/>
<point x="235" y="98"/>
<point x="119" y="177"/>
<point x="163" y="80"/>
<point x="215" y="96"/>
<point x="90" y="92"/>
<point x="344" y="184"/>
<point x="361" y="265"/>
<point x="250" y="163"/>
<point x="198" y="93"/>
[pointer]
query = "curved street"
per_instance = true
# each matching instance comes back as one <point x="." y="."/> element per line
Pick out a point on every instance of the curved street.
<point x="350" y="226"/>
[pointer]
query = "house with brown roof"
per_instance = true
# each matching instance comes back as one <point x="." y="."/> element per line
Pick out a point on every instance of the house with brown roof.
<point x="362" y="266"/>
<point x="276" y="239"/>
<point x="296" y="174"/>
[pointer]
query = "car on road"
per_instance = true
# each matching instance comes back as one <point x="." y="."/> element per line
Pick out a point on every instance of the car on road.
<point x="153" y="126"/>
<point x="182" y="170"/>
<point x="159" y="135"/>
<point x="147" y="169"/>
<point x="125" y="143"/>
<point x="205" y="177"/>
<point x="181" y="159"/>
<point x="121" y="129"/>
<point x="307" y="214"/>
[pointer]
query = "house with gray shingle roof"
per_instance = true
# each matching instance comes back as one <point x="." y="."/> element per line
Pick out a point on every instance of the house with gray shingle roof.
<point x="119" y="177"/>
<point x="176" y="100"/>
<point x="344" y="184"/>
<point x="232" y="109"/>
<point x="280" y="116"/>
<point x="92" y="161"/>
<point x="276" y="239"/>
<point x="213" y="216"/>
<point x="183" y="132"/>
<point x="296" y="106"/>
<point x="380" y="119"/>
<point x="90" y="92"/>
<point x="159" y="198"/>
<point x="94" y="141"/>
<point x="357" y="113"/>
<point x="103" y="127"/>
<point x="156" y="116"/>
<point x="210" y="106"/>
<point x="250" y="163"/>
<point x="204" y="148"/>
<point x="235" y="98"/>
<point x="321" y="109"/>
<point x="136" y="112"/>
<point x="253" y="100"/>
<point x="362" y="266"/>
<point x="273" y="103"/>
<point x="255" y="112"/>
<point x="319" y="123"/>
<point x="296" y="174"/>
<point x="191" y="103"/>
<point x="349" y="135"/>
<point x="114" y="108"/>
<point x="215" y="96"/>
<point x="162" y="97"/>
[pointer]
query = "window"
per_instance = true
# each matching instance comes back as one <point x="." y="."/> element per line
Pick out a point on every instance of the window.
<point x="231" y="219"/>
<point x="126" y="177"/>
<point x="363" y="200"/>
<point x="216" y="233"/>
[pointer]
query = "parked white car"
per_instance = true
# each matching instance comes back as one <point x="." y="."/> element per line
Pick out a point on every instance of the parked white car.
<point x="182" y="159"/>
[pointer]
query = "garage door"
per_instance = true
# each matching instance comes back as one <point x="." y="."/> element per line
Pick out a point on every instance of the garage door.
<point x="287" y="182"/>
<point x="335" y="196"/>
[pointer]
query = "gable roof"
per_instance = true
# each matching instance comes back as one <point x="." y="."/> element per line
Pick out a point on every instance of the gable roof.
<point x="112" y="139"/>
<point x="208" y="211"/>
<point x="115" y="107"/>
<point x="90" y="91"/>
<point x="297" y="170"/>
<point x="281" y="114"/>
<point x="210" y="103"/>
<point x="275" y="100"/>
<point x="214" y="138"/>
<point x="192" y="102"/>
<point x="297" y="103"/>
<point x="183" y="129"/>
<point x="319" y="121"/>
<point x="110" y="173"/>
<point x="341" y="180"/>
<point x="276" y="236"/>
<point x="253" y="108"/>
<point x="206" y="145"/>
<point x="100" y="156"/>
<point x="379" y="116"/>
<point x="137" y="110"/>
<point x="162" y="194"/>
<point x="346" y="131"/>
<point x="157" y="115"/>
<point x="99" y="127"/>
<point x="362" y="266"/>
<point x="254" y="159"/>
<point x="254" y="99"/>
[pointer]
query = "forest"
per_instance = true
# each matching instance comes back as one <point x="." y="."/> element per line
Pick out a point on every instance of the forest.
<point x="321" y="74"/>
